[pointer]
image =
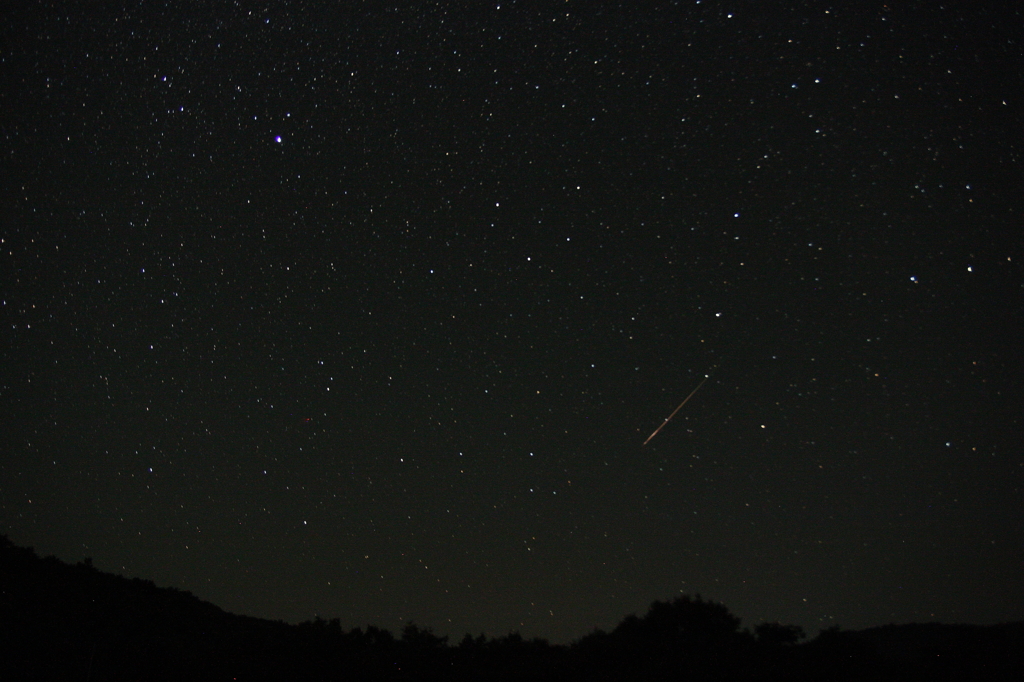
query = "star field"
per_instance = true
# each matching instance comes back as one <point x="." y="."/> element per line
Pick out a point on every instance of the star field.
<point x="366" y="312"/>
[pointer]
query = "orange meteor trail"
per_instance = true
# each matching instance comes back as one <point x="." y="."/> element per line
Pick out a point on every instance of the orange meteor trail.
<point x="674" y="412"/>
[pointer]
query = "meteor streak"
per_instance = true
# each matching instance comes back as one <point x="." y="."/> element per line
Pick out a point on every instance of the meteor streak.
<point x="674" y="411"/>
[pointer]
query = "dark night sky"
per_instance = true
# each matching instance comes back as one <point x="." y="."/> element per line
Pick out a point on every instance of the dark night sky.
<point x="365" y="312"/>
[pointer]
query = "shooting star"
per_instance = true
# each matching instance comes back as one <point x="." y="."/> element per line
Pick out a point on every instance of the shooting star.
<point x="674" y="411"/>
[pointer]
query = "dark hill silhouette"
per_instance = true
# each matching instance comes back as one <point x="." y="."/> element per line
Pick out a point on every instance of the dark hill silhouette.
<point x="61" y="621"/>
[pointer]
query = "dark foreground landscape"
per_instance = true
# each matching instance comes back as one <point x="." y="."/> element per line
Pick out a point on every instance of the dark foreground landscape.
<point x="74" y="622"/>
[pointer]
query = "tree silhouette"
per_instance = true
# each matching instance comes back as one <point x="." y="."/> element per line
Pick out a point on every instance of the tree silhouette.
<point x="777" y="634"/>
<point x="105" y="627"/>
<point x="686" y="637"/>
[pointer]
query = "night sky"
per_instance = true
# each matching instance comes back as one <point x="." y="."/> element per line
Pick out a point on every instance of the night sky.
<point x="365" y="311"/>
